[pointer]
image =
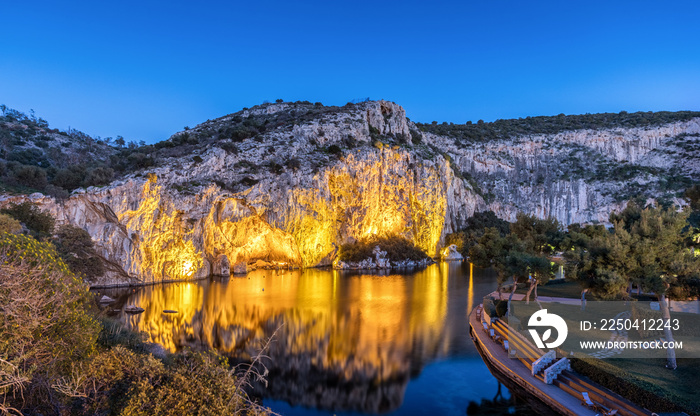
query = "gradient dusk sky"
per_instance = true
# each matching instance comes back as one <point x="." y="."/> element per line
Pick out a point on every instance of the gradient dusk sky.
<point x="146" y="69"/>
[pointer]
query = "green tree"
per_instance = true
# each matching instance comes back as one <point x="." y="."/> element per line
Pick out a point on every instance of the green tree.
<point x="76" y="248"/>
<point x="541" y="236"/>
<point x="38" y="222"/>
<point x="648" y="248"/>
<point x="474" y="228"/>
<point x="655" y="241"/>
<point x="589" y="261"/>
<point x="511" y="257"/>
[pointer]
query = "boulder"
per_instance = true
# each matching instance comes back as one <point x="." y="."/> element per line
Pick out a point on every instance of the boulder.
<point x="222" y="267"/>
<point x="450" y="253"/>
<point x="262" y="264"/>
<point x="133" y="309"/>
<point x="106" y="299"/>
<point x="240" y="267"/>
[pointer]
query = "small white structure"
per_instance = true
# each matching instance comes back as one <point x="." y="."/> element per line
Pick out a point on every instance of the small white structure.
<point x="551" y="372"/>
<point x="450" y="253"/>
<point x="542" y="362"/>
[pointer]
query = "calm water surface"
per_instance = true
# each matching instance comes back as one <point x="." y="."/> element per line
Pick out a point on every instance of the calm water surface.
<point x="343" y="343"/>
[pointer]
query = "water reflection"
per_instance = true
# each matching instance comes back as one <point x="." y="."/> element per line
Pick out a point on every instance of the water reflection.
<point x="343" y="341"/>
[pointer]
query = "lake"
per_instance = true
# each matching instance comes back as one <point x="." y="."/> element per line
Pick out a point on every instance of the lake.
<point x="342" y="343"/>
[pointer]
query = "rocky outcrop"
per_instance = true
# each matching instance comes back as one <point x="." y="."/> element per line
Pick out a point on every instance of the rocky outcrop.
<point x="176" y="222"/>
<point x="379" y="261"/>
<point x="291" y="196"/>
<point x="579" y="176"/>
<point x="451" y="253"/>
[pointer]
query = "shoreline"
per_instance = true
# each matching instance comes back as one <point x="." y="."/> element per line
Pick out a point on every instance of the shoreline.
<point x="328" y="267"/>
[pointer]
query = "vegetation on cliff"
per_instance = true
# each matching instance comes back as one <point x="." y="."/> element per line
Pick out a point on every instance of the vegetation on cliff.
<point x="506" y="129"/>
<point x="74" y="245"/>
<point x="36" y="158"/>
<point x="396" y="248"/>
<point x="57" y="357"/>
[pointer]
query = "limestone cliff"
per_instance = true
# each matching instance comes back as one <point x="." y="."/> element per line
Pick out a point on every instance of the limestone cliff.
<point x="184" y="218"/>
<point x="580" y="176"/>
<point x="288" y="183"/>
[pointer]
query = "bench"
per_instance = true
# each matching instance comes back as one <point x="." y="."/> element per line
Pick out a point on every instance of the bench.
<point x="596" y="406"/>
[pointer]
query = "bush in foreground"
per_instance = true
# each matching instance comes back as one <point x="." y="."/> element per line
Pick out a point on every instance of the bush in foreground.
<point x="9" y="224"/>
<point x="57" y="358"/>
<point x="44" y="323"/>
<point x="122" y="382"/>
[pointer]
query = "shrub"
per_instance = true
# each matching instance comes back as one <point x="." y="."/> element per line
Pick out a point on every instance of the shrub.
<point x="397" y="248"/>
<point x="56" y="192"/>
<point x="374" y="133"/>
<point x="120" y="381"/>
<point x="34" y="157"/>
<point x="75" y="247"/>
<point x="69" y="178"/>
<point x="334" y="149"/>
<point x="138" y="160"/>
<point x="248" y="181"/>
<point x="9" y="225"/>
<point x="196" y="383"/>
<point x="99" y="176"/>
<point x="55" y="358"/>
<point x="31" y="177"/>
<point x="416" y="137"/>
<point x="229" y="147"/>
<point x="293" y="163"/>
<point x="113" y="333"/>
<point x="38" y="222"/>
<point x="276" y="168"/>
<point x="44" y="326"/>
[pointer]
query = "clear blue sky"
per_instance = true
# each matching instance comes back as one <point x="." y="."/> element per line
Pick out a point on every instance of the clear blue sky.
<point x="147" y="69"/>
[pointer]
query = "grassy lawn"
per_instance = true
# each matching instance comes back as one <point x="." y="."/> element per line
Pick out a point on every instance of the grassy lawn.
<point x="558" y="290"/>
<point x="682" y="382"/>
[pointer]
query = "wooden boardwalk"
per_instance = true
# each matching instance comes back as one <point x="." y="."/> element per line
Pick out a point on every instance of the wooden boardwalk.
<point x="565" y="394"/>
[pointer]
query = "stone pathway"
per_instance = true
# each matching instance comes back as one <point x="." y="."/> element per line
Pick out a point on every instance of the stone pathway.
<point x="616" y="336"/>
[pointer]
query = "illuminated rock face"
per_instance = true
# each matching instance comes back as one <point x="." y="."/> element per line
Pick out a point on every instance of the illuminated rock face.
<point x="154" y="233"/>
<point x="177" y="224"/>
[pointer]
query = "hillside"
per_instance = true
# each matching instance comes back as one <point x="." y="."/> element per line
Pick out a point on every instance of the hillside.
<point x="288" y="183"/>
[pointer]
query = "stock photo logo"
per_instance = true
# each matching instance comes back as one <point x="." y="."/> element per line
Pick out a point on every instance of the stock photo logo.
<point x="543" y="319"/>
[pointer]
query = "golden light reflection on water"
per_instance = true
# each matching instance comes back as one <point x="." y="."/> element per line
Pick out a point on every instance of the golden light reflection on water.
<point x="362" y="314"/>
<point x="470" y="295"/>
<point x="346" y="327"/>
